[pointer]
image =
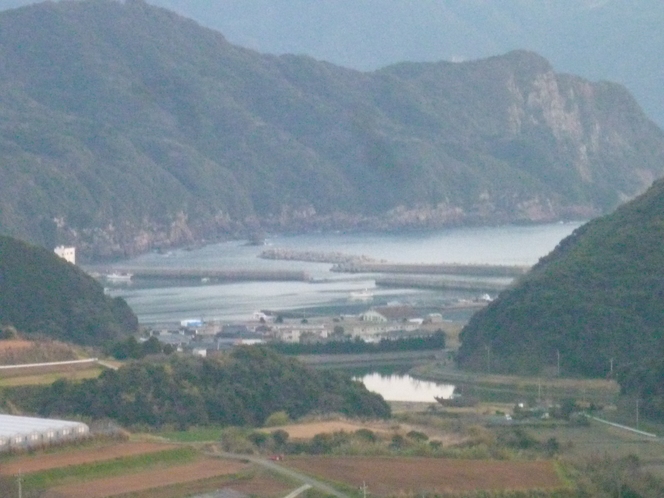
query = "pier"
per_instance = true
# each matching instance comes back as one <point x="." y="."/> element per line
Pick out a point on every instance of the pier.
<point x="349" y="263"/>
<point x="433" y="269"/>
<point x="223" y="275"/>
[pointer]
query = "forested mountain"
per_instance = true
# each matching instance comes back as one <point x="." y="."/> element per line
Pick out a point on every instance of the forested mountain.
<point x="613" y="40"/>
<point x="124" y="127"/>
<point x="243" y="387"/>
<point x="597" y="300"/>
<point x="43" y="296"/>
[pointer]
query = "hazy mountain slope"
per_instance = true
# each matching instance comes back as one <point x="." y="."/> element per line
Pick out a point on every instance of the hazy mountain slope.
<point x="124" y="127"/>
<point x="615" y="40"/>
<point x="43" y="296"/>
<point x="598" y="296"/>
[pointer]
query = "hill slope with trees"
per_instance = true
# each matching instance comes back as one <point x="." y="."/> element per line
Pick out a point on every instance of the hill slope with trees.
<point x="612" y="40"/>
<point x="243" y="387"/>
<point x="125" y="127"/>
<point x="597" y="300"/>
<point x="44" y="296"/>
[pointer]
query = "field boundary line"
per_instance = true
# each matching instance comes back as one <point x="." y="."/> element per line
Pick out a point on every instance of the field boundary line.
<point x="626" y="427"/>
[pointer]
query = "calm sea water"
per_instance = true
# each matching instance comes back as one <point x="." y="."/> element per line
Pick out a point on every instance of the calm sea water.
<point x="158" y="302"/>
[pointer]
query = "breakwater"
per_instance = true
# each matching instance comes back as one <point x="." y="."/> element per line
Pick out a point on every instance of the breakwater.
<point x="209" y="273"/>
<point x="333" y="257"/>
<point x="350" y="263"/>
<point x="432" y="269"/>
<point x="439" y="282"/>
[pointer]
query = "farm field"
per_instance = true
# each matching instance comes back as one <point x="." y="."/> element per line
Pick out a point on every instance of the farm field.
<point x="14" y="344"/>
<point x="599" y="440"/>
<point x="43" y="378"/>
<point x="130" y="483"/>
<point x="74" y="456"/>
<point x="252" y="484"/>
<point x="391" y="476"/>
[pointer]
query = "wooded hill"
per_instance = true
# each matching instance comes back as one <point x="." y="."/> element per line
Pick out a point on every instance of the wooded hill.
<point x="44" y="296"/>
<point x="124" y="127"/>
<point x="597" y="300"/>
<point x="243" y="388"/>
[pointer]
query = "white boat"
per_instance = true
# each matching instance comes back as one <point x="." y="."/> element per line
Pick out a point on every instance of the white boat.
<point x="363" y="295"/>
<point x="119" y="277"/>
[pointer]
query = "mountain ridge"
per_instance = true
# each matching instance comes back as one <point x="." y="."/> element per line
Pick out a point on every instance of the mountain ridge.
<point x="127" y="127"/>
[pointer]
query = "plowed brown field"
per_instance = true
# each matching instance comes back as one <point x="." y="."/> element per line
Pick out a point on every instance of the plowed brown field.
<point x="131" y="483"/>
<point x="36" y="463"/>
<point x="390" y="476"/>
<point x="14" y="344"/>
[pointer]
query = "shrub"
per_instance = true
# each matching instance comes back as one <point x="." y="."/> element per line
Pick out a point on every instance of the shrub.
<point x="277" y="419"/>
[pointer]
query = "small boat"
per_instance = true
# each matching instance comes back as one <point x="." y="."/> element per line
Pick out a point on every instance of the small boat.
<point x="363" y="295"/>
<point x="119" y="277"/>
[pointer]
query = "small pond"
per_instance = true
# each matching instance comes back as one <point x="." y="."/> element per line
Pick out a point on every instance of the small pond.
<point x="404" y="387"/>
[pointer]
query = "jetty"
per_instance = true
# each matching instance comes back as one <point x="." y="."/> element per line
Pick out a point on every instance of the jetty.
<point x="332" y="257"/>
<point x="439" y="282"/>
<point x="222" y="275"/>
<point x="350" y="263"/>
<point x="479" y="270"/>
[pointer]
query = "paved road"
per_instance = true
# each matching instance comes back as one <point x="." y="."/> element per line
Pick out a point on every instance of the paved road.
<point x="270" y="465"/>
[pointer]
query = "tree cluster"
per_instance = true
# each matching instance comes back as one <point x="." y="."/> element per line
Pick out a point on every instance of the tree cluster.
<point x="42" y="295"/>
<point x="357" y="345"/>
<point x="243" y="387"/>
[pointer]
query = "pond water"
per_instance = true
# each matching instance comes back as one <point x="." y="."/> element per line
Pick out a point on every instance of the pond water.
<point x="404" y="387"/>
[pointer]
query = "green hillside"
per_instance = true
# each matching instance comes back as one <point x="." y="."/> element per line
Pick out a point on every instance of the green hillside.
<point x="242" y="387"/>
<point x="124" y="127"/>
<point x="597" y="300"/>
<point x="43" y="296"/>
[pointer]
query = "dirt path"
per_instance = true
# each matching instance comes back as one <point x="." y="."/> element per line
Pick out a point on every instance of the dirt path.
<point x="131" y="483"/>
<point x="46" y="461"/>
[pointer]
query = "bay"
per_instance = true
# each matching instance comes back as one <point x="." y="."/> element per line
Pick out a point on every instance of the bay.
<point x="165" y="302"/>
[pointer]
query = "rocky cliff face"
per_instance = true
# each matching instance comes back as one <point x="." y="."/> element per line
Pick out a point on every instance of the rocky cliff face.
<point x="126" y="128"/>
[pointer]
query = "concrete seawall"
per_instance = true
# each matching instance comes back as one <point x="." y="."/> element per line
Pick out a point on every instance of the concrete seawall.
<point x="211" y="273"/>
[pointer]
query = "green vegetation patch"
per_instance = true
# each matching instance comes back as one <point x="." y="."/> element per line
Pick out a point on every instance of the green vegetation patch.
<point x="109" y="468"/>
<point x="194" y="434"/>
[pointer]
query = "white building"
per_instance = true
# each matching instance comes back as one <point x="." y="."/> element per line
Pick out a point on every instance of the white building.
<point x="66" y="253"/>
<point x="27" y="432"/>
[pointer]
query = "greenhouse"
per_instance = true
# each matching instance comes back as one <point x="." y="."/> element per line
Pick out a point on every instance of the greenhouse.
<point x="28" y="432"/>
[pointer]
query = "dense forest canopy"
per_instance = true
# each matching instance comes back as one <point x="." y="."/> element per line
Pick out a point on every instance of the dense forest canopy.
<point x="596" y="302"/>
<point x="243" y="387"/>
<point x="125" y="127"/>
<point x="44" y="296"/>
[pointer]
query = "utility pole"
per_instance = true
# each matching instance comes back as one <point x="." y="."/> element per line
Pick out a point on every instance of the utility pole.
<point x="637" y="414"/>
<point x="558" y="356"/>
<point x="611" y="371"/>
<point x="539" y="390"/>
<point x="364" y="489"/>
<point x="19" y="480"/>
<point x="488" y="359"/>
